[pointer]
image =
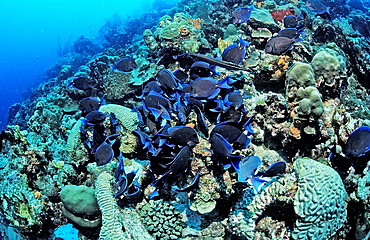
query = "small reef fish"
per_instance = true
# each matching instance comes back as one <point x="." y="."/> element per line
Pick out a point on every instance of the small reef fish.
<point x="167" y="81"/>
<point x="233" y="132"/>
<point x="94" y="117"/>
<point x="207" y="88"/>
<point x="246" y="170"/>
<point x="222" y="151"/>
<point x="275" y="169"/>
<point x="81" y="83"/>
<point x="201" y="69"/>
<point x="90" y="104"/>
<point x="292" y="33"/>
<point x="124" y="65"/>
<point x="157" y="104"/>
<point x="235" y="53"/>
<point x="279" y="44"/>
<point x="182" y="135"/>
<point x="104" y="153"/>
<point x="317" y="7"/>
<point x="211" y="60"/>
<point x="243" y="14"/>
<point x="181" y="75"/>
<point x="292" y="21"/>
<point x="358" y="143"/>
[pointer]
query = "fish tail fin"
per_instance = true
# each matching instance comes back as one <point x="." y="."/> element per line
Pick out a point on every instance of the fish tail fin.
<point x="69" y="83"/>
<point x="257" y="183"/>
<point x="327" y="9"/>
<point x="224" y="83"/>
<point x="113" y="67"/>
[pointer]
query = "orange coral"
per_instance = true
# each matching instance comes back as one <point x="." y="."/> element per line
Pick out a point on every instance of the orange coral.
<point x="295" y="131"/>
<point x="258" y="3"/>
<point x="184" y="31"/>
<point x="197" y="23"/>
<point x="278" y="15"/>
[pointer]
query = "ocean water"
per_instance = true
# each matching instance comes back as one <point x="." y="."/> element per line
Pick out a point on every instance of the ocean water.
<point x="33" y="33"/>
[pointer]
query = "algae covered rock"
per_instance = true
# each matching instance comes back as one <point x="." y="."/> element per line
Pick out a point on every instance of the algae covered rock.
<point x="80" y="205"/>
<point x="319" y="202"/>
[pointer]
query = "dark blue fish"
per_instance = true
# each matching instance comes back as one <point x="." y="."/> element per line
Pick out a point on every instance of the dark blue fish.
<point x="316" y="6"/>
<point x="247" y="169"/>
<point x="158" y="105"/>
<point x="235" y="53"/>
<point x="202" y="69"/>
<point x="104" y="153"/>
<point x="167" y="81"/>
<point x="241" y="15"/>
<point x="211" y="60"/>
<point x="292" y="21"/>
<point x="274" y="169"/>
<point x="124" y="65"/>
<point x="233" y="132"/>
<point x="330" y="15"/>
<point x="90" y="104"/>
<point x="222" y="151"/>
<point x="94" y="117"/>
<point x="181" y="75"/>
<point x="144" y="140"/>
<point x="178" y="166"/>
<point x="279" y="44"/>
<point x="207" y="88"/>
<point x="201" y="122"/>
<point x="292" y="33"/>
<point x="358" y="143"/>
<point x="183" y="136"/>
<point x="151" y="86"/>
<point x="81" y="83"/>
<point x="233" y="99"/>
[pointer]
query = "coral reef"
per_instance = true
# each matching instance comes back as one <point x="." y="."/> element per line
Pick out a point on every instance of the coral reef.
<point x="320" y="201"/>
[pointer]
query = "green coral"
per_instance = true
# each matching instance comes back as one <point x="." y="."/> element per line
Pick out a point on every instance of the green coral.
<point x="162" y="220"/>
<point x="300" y="75"/>
<point x="190" y="45"/>
<point x="125" y="116"/>
<point x="117" y="224"/>
<point x="329" y="63"/>
<point x="310" y="106"/>
<point x="319" y="202"/>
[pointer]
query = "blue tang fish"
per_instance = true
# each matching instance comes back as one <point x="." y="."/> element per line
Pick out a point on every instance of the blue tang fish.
<point x="207" y="88"/>
<point x="279" y="44"/>
<point x="358" y="143"/>
<point x="94" y="117"/>
<point x="243" y="14"/>
<point x="104" y="153"/>
<point x="235" y="53"/>
<point x="246" y="170"/>
<point x="317" y="7"/>
<point x="124" y="65"/>
<point x="167" y="81"/>
<point x="81" y="83"/>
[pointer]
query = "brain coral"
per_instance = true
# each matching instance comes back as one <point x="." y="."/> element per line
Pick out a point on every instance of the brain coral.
<point x="300" y="75"/>
<point x="124" y="115"/>
<point x="319" y="202"/>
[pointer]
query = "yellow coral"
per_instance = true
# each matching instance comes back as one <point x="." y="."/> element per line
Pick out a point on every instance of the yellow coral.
<point x="222" y="44"/>
<point x="125" y="116"/>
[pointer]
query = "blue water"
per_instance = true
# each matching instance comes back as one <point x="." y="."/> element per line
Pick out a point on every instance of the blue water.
<point x="32" y="32"/>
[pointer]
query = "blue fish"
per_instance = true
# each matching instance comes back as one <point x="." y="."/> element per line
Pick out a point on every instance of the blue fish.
<point x="274" y="169"/>
<point x="158" y="105"/>
<point x="292" y="21"/>
<point x="233" y="132"/>
<point x="182" y="135"/>
<point x="208" y="88"/>
<point x="222" y="151"/>
<point x="358" y="143"/>
<point x="202" y="69"/>
<point x="126" y="183"/>
<point x="167" y="81"/>
<point x="94" y="117"/>
<point x="90" y="104"/>
<point x="124" y="65"/>
<point x="181" y="75"/>
<point x="292" y="33"/>
<point x="150" y="86"/>
<point x="243" y="14"/>
<point x="104" y="153"/>
<point x="235" y="53"/>
<point x="316" y="6"/>
<point x="280" y="44"/>
<point x="246" y="170"/>
<point x="81" y="83"/>
<point x="190" y="186"/>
